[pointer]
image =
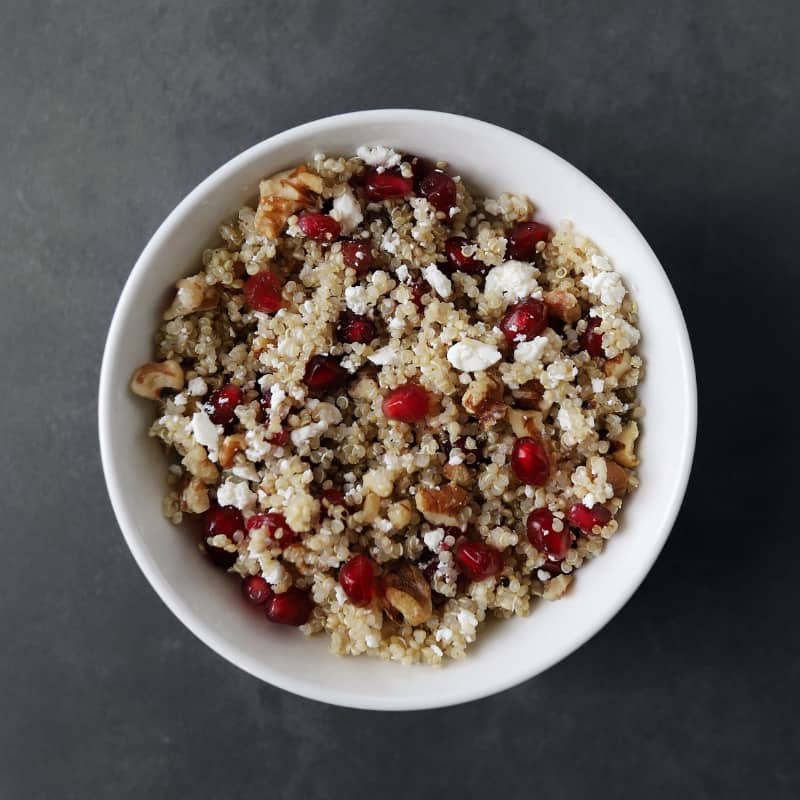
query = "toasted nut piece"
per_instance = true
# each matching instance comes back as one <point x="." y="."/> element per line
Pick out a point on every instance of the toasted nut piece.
<point x="556" y="587"/>
<point x="625" y="455"/>
<point x="616" y="367"/>
<point x="408" y="594"/>
<point x="282" y="195"/>
<point x="483" y="399"/>
<point x="528" y="395"/>
<point x="151" y="379"/>
<point x="379" y="481"/>
<point x="194" y="497"/>
<point x="616" y="477"/>
<point x="525" y="423"/>
<point x="370" y="508"/>
<point x="197" y="462"/>
<point x="231" y="445"/>
<point x="400" y="514"/>
<point x="364" y="388"/>
<point x="193" y="294"/>
<point x="459" y="474"/>
<point x="442" y="505"/>
<point x="563" y="305"/>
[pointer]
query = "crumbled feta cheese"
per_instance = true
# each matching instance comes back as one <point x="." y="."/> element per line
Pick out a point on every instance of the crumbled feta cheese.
<point x="588" y="500"/>
<point x="439" y="282"/>
<point x="444" y="635"/>
<point x="531" y="352"/>
<point x="598" y="384"/>
<point x="574" y="426"/>
<point x="179" y="399"/>
<point x="206" y="433"/>
<point x="246" y="472"/>
<point x="274" y="572"/>
<point x="347" y="211"/>
<point x="397" y="324"/>
<point x="379" y="156"/>
<point x="197" y="387"/>
<point x="371" y="640"/>
<point x="236" y="494"/>
<point x="385" y="355"/>
<point x="433" y="539"/>
<point x="600" y="262"/>
<point x="607" y="286"/>
<point x="356" y="299"/>
<point x="402" y="273"/>
<point x="470" y="355"/>
<point x="437" y="650"/>
<point x="513" y="280"/>
<point x="341" y="595"/>
<point x="390" y="241"/>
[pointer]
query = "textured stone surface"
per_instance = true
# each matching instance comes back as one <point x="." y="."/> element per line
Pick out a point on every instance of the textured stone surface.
<point x="685" y="112"/>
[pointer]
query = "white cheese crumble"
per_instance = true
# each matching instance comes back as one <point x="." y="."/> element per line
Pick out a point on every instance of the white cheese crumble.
<point x="246" y="472"/>
<point x="470" y="355"/>
<point x="378" y="156"/>
<point x="433" y="539"/>
<point x="236" y="494"/>
<point x="512" y="280"/>
<point x="607" y="286"/>
<point x="531" y="352"/>
<point x="356" y="300"/>
<point x="439" y="282"/>
<point x="197" y="387"/>
<point x="347" y="211"/>
<point x="598" y="384"/>
<point x="384" y="356"/>
<point x="444" y="635"/>
<point x="205" y="432"/>
<point x="402" y="273"/>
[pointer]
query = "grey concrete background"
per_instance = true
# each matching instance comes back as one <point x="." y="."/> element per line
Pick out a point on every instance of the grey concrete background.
<point x="686" y="112"/>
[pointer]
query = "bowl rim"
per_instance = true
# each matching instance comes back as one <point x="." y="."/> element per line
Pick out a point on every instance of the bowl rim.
<point x="197" y="624"/>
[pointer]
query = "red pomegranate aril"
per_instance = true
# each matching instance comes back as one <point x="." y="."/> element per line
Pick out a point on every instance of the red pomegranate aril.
<point x="524" y="237"/>
<point x="357" y="578"/>
<point x="387" y="185"/>
<point x="334" y="497"/>
<point x="319" y="227"/>
<point x="456" y="258"/>
<point x="355" y="328"/>
<point x="524" y="320"/>
<point x="530" y="462"/>
<point x="478" y="560"/>
<point x="289" y="608"/>
<point x="222" y="520"/>
<point x="358" y="255"/>
<point x="420" y="167"/>
<point x="324" y="373"/>
<point x="222" y="403"/>
<point x="279" y="439"/>
<point x="407" y="403"/>
<point x="262" y="292"/>
<point x="585" y="518"/>
<point x="256" y="590"/>
<point x="542" y="535"/>
<point x="439" y="189"/>
<point x="591" y="340"/>
<point x="220" y="557"/>
<point x="274" y="524"/>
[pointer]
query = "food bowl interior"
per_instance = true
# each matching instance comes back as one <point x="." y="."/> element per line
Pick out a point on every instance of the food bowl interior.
<point x="491" y="160"/>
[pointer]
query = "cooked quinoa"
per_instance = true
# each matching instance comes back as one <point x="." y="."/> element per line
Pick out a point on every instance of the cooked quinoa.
<point x="387" y="431"/>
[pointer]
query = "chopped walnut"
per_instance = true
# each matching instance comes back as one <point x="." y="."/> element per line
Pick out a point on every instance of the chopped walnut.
<point x="617" y="478"/>
<point x="483" y="399"/>
<point x="443" y="505"/>
<point x="193" y="294"/>
<point x="231" y="445"/>
<point x="617" y="367"/>
<point x="556" y="587"/>
<point x="407" y="596"/>
<point x="151" y="379"/>
<point x="285" y="194"/>
<point x="528" y="395"/>
<point x="525" y="423"/>
<point x="460" y="474"/>
<point x="625" y="440"/>
<point x="563" y="305"/>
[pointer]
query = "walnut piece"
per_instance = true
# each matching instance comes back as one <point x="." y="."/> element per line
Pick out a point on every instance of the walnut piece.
<point x="617" y="367"/>
<point x="443" y="505"/>
<point x="528" y="395"/>
<point x="282" y="195"/>
<point x="231" y="445"/>
<point x="400" y="514"/>
<point x="407" y="595"/>
<point x="193" y="294"/>
<point x="459" y="474"/>
<point x="525" y="423"/>
<point x="152" y="378"/>
<point x="556" y="587"/>
<point x="563" y="305"/>
<point x="483" y="398"/>
<point x="626" y="439"/>
<point x="617" y="478"/>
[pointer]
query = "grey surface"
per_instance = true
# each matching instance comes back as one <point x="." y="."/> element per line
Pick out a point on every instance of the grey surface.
<point x="685" y="112"/>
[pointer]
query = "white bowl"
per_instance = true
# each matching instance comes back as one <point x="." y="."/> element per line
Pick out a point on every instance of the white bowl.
<point x="208" y="602"/>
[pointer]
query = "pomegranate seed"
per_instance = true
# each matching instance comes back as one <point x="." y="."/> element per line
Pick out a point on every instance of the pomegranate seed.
<point x="222" y="403"/>
<point x="457" y="259"/>
<point x="386" y="185"/>
<point x="225" y="520"/>
<point x="358" y="255"/>
<point x="280" y="439"/>
<point x="220" y="557"/>
<point x="530" y="462"/>
<point x="478" y="560"/>
<point x="355" y="328"/>
<point x="591" y="339"/>
<point x="586" y="518"/>
<point x="325" y="373"/>
<point x="439" y="189"/>
<point x="418" y="288"/>
<point x="524" y="237"/>
<point x="524" y="320"/>
<point x="420" y="167"/>
<point x="541" y="534"/>
<point x="334" y="497"/>
<point x="274" y="524"/>
<point x="262" y="292"/>
<point x="256" y="590"/>
<point x="289" y="608"/>
<point x="407" y="403"/>
<point x="319" y="227"/>
<point x="358" y="580"/>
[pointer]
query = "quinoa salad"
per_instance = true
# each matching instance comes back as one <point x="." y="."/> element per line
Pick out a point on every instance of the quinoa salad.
<point x="394" y="408"/>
